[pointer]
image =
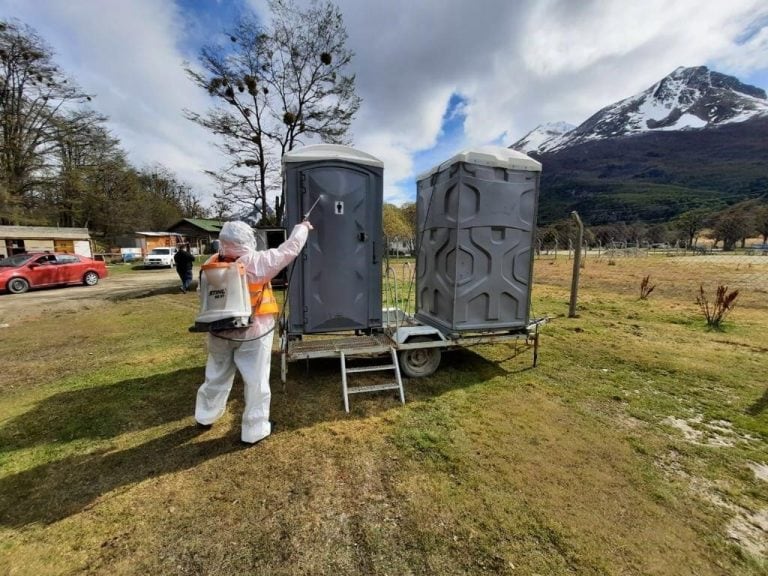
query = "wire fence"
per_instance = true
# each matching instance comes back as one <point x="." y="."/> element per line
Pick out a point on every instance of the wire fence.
<point x="674" y="271"/>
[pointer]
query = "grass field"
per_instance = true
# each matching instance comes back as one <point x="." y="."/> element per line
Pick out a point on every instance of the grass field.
<point x="639" y="445"/>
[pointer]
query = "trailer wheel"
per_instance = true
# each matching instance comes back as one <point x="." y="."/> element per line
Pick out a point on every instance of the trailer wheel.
<point x="419" y="362"/>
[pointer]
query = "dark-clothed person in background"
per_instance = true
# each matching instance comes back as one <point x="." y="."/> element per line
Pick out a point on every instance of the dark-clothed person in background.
<point x="184" y="262"/>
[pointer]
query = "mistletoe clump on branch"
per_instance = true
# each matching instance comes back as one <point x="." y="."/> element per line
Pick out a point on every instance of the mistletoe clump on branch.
<point x="275" y="87"/>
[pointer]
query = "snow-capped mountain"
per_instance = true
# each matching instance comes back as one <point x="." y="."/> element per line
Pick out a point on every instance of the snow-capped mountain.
<point x="543" y="137"/>
<point x="687" y="99"/>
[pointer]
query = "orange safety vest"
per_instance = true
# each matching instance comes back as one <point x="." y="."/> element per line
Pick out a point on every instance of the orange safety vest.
<point x="262" y="299"/>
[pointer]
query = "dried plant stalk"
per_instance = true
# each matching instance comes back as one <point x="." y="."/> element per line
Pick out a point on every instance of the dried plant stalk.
<point x="646" y="288"/>
<point x="716" y="311"/>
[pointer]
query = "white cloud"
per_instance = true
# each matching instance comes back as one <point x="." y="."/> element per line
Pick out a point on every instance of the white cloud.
<point x="516" y="64"/>
<point x="519" y="64"/>
<point x="749" y="55"/>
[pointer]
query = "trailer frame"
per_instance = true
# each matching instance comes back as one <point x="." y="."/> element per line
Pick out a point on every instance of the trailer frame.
<point x="402" y="333"/>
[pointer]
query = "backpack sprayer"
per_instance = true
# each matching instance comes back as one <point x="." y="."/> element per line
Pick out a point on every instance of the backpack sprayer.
<point x="225" y="301"/>
<point x="224" y="298"/>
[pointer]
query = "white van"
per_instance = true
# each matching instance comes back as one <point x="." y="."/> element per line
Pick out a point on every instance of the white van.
<point x="160" y="258"/>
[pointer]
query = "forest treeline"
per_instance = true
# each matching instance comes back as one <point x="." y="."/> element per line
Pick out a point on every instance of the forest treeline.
<point x="727" y="228"/>
<point x="59" y="163"/>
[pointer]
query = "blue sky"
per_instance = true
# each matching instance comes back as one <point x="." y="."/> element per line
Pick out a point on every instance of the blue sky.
<point x="205" y="19"/>
<point x="757" y="78"/>
<point x="450" y="139"/>
<point x="436" y="76"/>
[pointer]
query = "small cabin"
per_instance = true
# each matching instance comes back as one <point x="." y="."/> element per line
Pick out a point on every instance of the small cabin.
<point x="140" y="244"/>
<point x="20" y="239"/>
<point x="199" y="232"/>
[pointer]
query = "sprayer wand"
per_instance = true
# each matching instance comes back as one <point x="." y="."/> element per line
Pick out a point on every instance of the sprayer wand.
<point x="308" y="212"/>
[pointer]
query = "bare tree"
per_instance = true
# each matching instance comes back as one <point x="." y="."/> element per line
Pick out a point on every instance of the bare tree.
<point x="761" y="222"/>
<point x="81" y="144"/>
<point x="33" y="93"/>
<point x="690" y="224"/>
<point x="730" y="228"/>
<point x="276" y="87"/>
<point x="232" y="77"/>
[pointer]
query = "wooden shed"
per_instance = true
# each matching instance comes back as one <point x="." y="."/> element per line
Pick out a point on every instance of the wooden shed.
<point x="18" y="239"/>
<point x="149" y="240"/>
<point x="199" y="232"/>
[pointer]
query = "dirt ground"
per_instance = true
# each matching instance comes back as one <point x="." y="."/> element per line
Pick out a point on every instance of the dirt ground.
<point x="133" y="284"/>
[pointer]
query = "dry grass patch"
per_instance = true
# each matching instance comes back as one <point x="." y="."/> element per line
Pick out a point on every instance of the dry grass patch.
<point x="575" y="467"/>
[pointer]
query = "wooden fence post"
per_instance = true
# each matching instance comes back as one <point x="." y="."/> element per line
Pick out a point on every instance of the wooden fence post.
<point x="576" y="266"/>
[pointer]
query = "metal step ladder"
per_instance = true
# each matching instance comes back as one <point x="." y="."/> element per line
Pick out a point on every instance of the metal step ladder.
<point x="347" y="390"/>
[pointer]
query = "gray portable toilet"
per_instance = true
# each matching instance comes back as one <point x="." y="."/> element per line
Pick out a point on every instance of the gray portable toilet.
<point x="336" y="282"/>
<point x="476" y="217"/>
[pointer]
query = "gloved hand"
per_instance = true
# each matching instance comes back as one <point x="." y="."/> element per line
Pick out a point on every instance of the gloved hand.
<point x="307" y="224"/>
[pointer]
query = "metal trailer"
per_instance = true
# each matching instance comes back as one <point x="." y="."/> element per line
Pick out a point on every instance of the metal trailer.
<point x="413" y="348"/>
<point x="476" y="214"/>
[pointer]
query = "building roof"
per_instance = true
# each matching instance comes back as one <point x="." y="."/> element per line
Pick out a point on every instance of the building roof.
<point x="41" y="232"/>
<point x="206" y="225"/>
<point x="158" y="234"/>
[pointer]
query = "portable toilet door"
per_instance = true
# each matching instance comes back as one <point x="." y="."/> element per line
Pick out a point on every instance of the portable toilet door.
<point x="336" y="283"/>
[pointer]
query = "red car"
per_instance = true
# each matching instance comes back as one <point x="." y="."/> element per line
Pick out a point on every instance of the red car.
<point x="21" y="272"/>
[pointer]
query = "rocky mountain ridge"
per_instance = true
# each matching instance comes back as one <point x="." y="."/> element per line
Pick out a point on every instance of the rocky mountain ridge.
<point x="687" y="99"/>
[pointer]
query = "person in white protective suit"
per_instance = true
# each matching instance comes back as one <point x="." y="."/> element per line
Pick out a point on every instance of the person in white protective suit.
<point x="248" y="350"/>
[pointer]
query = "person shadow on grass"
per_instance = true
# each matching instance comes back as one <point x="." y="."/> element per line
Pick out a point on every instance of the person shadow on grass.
<point x="100" y="417"/>
<point x="61" y="487"/>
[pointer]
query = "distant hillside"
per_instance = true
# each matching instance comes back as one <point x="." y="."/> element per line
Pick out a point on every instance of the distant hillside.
<point x="656" y="175"/>
<point x="696" y="138"/>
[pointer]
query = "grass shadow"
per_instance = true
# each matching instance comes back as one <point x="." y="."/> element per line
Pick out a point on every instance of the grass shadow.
<point x="759" y="406"/>
<point x="56" y="490"/>
<point x="471" y="361"/>
<point x="60" y="488"/>
<point x="475" y="359"/>
<point x="102" y="412"/>
<point x="313" y="392"/>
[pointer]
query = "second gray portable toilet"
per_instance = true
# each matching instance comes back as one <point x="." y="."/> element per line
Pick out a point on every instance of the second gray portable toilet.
<point x="336" y="282"/>
<point x="476" y="217"/>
